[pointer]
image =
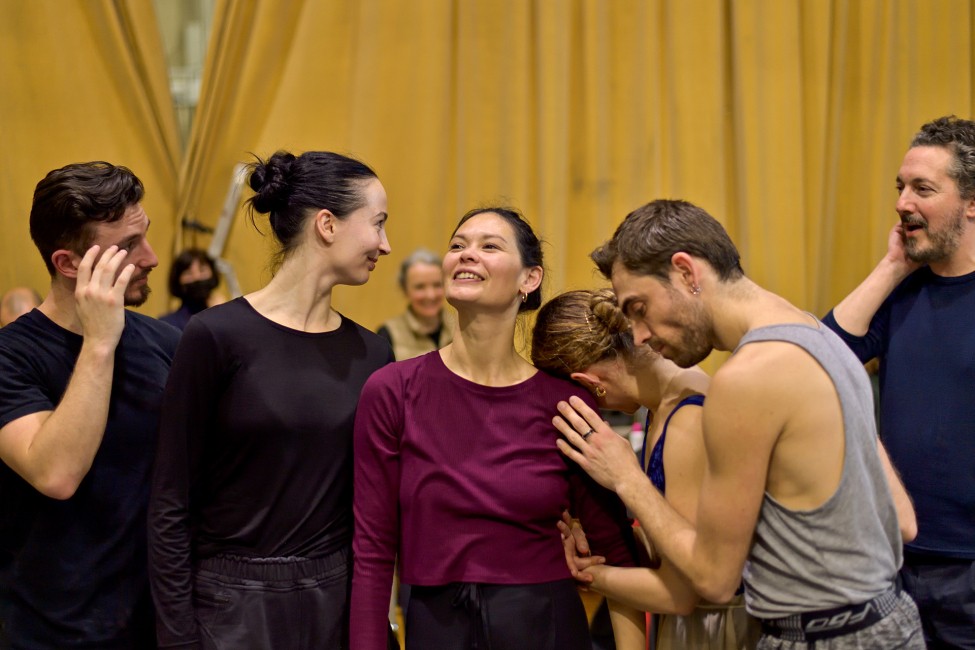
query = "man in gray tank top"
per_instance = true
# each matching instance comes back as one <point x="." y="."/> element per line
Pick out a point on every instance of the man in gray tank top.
<point x="799" y="498"/>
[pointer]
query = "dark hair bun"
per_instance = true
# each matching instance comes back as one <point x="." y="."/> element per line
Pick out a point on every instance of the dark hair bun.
<point x="271" y="182"/>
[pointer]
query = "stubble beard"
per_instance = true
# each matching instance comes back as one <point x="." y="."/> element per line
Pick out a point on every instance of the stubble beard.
<point x="941" y="244"/>
<point x="139" y="298"/>
<point x="695" y="344"/>
<point x="694" y="348"/>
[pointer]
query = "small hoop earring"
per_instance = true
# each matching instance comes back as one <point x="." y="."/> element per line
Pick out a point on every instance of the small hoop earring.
<point x="600" y="391"/>
<point x="524" y="297"/>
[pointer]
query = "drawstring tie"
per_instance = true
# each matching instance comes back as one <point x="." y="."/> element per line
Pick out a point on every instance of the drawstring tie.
<point x="468" y="596"/>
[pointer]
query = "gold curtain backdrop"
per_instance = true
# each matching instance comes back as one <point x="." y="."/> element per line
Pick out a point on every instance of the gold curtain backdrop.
<point x="786" y="119"/>
<point x="82" y="80"/>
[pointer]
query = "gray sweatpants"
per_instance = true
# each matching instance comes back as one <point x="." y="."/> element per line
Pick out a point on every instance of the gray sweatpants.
<point x="899" y="630"/>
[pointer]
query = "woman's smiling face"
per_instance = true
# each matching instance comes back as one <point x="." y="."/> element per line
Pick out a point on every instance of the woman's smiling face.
<point x="483" y="265"/>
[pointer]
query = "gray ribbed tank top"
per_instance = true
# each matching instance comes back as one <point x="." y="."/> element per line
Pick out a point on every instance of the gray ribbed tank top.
<point x="849" y="549"/>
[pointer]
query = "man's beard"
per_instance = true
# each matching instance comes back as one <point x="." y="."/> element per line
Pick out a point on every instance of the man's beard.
<point x="138" y="299"/>
<point x="942" y="243"/>
<point x="693" y="349"/>
<point x="695" y="345"/>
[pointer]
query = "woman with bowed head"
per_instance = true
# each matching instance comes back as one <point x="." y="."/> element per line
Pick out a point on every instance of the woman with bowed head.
<point x="583" y="336"/>
<point x="457" y="471"/>
<point x="251" y="509"/>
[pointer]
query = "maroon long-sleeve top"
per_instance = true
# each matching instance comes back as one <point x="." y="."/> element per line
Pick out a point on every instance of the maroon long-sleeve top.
<point x="466" y="483"/>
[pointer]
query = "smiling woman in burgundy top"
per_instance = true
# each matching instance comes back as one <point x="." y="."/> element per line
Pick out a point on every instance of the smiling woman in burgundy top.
<point x="456" y="470"/>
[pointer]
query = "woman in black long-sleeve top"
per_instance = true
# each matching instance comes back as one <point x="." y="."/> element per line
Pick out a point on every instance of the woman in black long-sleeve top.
<point x="250" y="515"/>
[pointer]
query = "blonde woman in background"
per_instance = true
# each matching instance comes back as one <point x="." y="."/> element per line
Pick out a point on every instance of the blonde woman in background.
<point x="583" y="336"/>
<point x="425" y="326"/>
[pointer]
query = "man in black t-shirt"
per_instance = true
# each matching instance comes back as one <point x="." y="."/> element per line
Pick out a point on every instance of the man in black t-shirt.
<point x="81" y="379"/>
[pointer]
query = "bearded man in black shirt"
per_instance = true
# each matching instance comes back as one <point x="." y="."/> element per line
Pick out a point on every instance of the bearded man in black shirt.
<point x="81" y="380"/>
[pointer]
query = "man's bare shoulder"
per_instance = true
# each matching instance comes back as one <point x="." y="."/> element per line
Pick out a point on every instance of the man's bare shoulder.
<point x="762" y="365"/>
<point x="784" y="393"/>
<point x="761" y="385"/>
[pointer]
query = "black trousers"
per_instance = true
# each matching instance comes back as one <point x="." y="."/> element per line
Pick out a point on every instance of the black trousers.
<point x="472" y="616"/>
<point x="273" y="603"/>
<point x="944" y="590"/>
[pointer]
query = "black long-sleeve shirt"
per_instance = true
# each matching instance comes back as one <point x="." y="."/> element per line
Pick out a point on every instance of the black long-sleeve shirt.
<point x="255" y="448"/>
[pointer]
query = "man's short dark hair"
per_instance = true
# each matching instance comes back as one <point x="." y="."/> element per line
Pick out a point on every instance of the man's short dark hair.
<point x="957" y="136"/>
<point x="70" y="200"/>
<point x="650" y="235"/>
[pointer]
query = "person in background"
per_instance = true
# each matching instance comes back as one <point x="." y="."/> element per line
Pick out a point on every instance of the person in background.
<point x="250" y="517"/>
<point x="81" y="381"/>
<point x="456" y="471"/>
<point x="914" y="311"/>
<point x="425" y="325"/>
<point x="583" y="336"/>
<point x="16" y="302"/>
<point x="192" y="279"/>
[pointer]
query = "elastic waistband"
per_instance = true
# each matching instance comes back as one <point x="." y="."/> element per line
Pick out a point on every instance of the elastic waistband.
<point x="275" y="568"/>
<point x="829" y="623"/>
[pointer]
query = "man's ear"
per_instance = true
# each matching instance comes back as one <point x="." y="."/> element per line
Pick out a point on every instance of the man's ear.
<point x="970" y="208"/>
<point x="325" y="225"/>
<point x="685" y="269"/>
<point x="66" y="262"/>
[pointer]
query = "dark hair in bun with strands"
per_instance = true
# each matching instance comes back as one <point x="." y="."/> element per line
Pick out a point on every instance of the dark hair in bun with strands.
<point x="290" y="188"/>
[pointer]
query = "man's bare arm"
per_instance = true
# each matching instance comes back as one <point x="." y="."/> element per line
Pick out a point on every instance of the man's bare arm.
<point x="855" y="312"/>
<point x="53" y="450"/>
<point x="739" y="434"/>
<point x="663" y="590"/>
<point x="610" y="461"/>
